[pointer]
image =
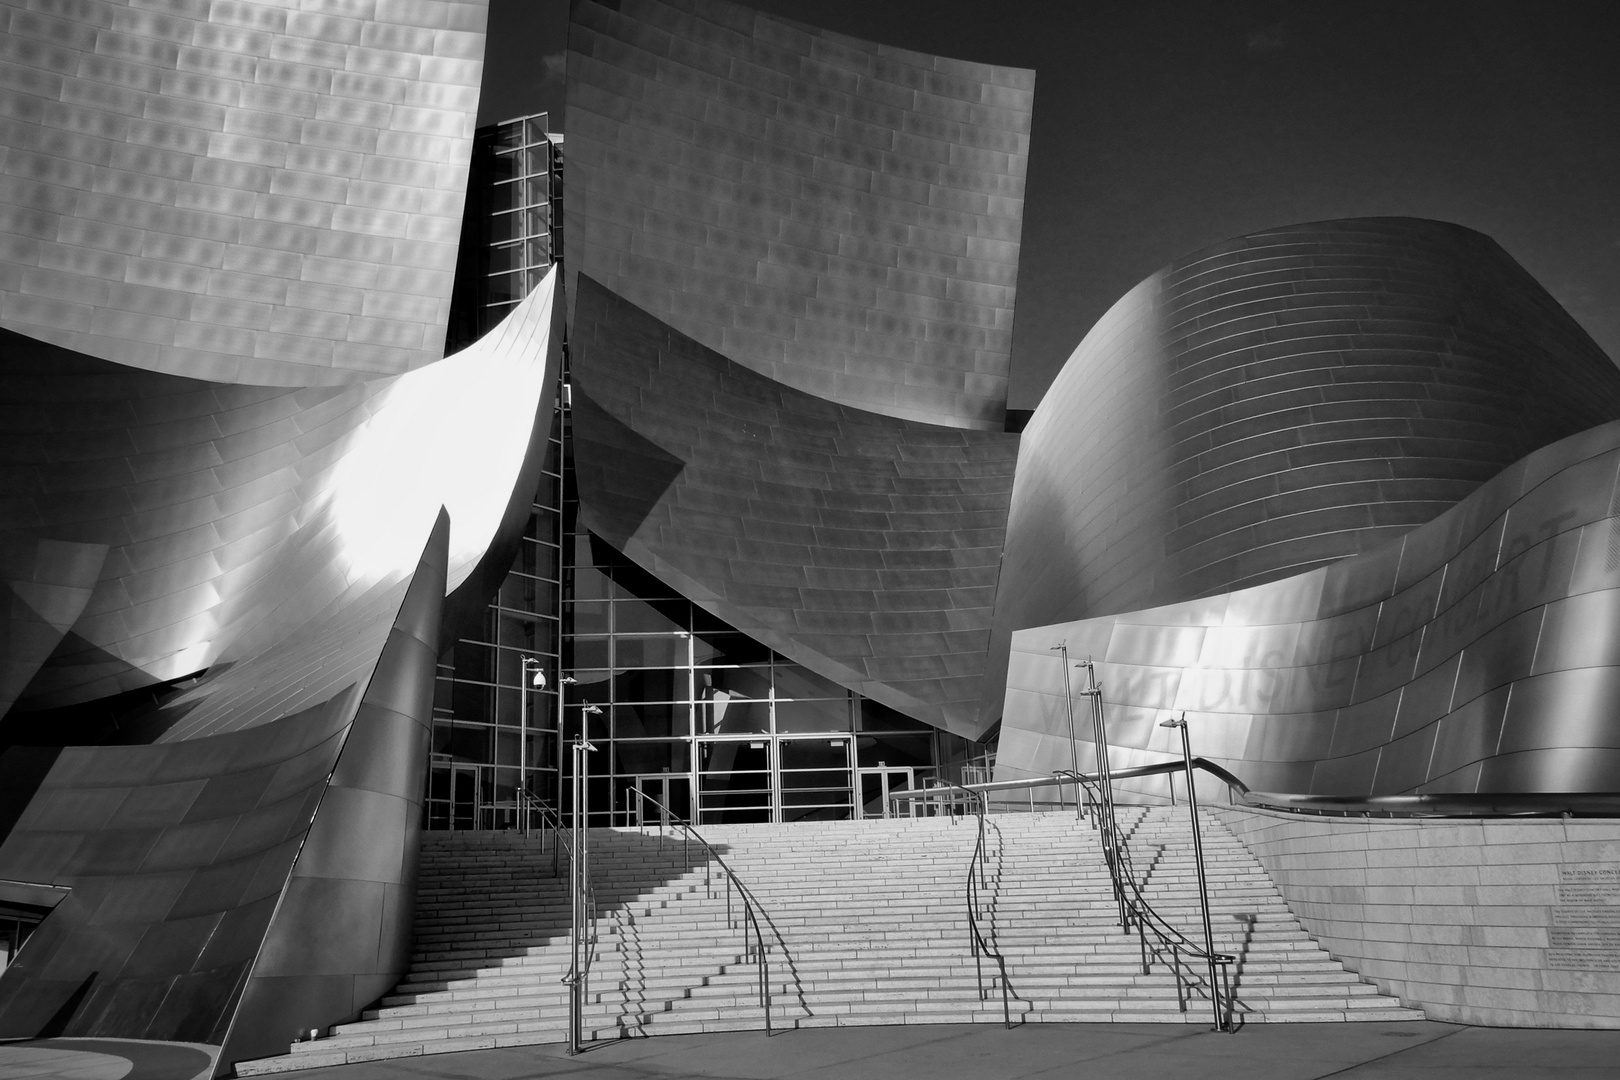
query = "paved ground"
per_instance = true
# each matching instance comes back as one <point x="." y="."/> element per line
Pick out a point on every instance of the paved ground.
<point x="1369" y="1051"/>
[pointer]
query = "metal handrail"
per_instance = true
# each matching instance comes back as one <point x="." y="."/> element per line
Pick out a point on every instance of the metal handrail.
<point x="1459" y="805"/>
<point x="749" y="901"/>
<point x="977" y="942"/>
<point x="1147" y="917"/>
<point x="551" y="818"/>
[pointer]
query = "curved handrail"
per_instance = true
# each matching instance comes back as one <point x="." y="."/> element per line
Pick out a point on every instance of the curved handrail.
<point x="1145" y="915"/>
<point x="551" y="818"/>
<point x="750" y="902"/>
<point x="979" y="945"/>
<point x="1461" y="804"/>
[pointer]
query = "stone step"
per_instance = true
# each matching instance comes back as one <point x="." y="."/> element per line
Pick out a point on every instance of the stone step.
<point x="865" y="923"/>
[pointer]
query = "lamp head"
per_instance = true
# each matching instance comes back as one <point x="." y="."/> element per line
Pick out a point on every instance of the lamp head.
<point x="591" y="710"/>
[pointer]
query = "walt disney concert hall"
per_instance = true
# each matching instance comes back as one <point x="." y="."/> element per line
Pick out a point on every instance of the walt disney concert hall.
<point x="356" y="462"/>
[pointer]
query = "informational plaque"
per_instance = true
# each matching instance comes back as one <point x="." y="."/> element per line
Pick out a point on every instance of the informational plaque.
<point x="1585" y="930"/>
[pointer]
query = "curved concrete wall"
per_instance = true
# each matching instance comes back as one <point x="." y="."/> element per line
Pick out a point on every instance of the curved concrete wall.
<point x="233" y="515"/>
<point x="839" y="215"/>
<point x="862" y="546"/>
<point x="1478" y="653"/>
<point x="242" y="192"/>
<point x="1281" y="401"/>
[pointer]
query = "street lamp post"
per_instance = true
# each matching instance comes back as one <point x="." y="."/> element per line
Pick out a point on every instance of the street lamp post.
<point x="531" y="674"/>
<point x="1074" y="751"/>
<point x="578" y="885"/>
<point x="1198" y="858"/>
<point x="1108" y="826"/>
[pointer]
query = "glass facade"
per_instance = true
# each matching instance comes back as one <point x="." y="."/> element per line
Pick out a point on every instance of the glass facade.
<point x="511" y="231"/>
<point x="700" y="720"/>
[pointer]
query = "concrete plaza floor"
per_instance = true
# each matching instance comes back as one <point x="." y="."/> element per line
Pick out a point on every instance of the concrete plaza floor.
<point x="1420" y="1050"/>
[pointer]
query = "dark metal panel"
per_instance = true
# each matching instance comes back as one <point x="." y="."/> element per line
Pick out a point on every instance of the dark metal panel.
<point x="828" y="533"/>
<point x="150" y="906"/>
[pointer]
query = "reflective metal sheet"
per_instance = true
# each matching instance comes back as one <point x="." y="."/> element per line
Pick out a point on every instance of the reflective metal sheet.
<point x="1206" y="437"/>
<point x="240" y="192"/>
<point x="269" y="508"/>
<point x="1514" y="686"/>
<point x="865" y="251"/>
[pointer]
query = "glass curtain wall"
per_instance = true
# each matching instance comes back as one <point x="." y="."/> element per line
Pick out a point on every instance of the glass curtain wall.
<point x="692" y="719"/>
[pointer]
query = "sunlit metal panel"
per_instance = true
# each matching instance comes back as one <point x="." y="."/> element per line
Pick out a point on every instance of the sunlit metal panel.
<point x="1478" y="653"/>
<point x="842" y="216"/>
<point x="253" y="191"/>
<point x="235" y="515"/>
<point x="1280" y="401"/>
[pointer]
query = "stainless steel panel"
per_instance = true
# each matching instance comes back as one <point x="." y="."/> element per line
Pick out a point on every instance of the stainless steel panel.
<point x="1210" y="434"/>
<point x="1516" y="687"/>
<point x="214" y="167"/>
<point x="866" y="251"/>
<point x="269" y="508"/>
<point x="835" y="536"/>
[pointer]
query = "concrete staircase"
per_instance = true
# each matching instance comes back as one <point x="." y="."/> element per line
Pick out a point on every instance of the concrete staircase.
<point x="865" y="923"/>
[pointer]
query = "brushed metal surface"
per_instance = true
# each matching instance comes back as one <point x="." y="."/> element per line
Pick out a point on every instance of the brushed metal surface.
<point x="241" y="888"/>
<point x="1504" y="683"/>
<point x="841" y="216"/>
<point x="254" y="192"/>
<point x="235" y="517"/>
<point x="1281" y="401"/>
<point x="864" y="547"/>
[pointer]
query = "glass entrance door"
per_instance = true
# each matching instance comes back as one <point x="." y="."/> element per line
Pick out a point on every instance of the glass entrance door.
<point x="672" y="795"/>
<point x="453" y="795"/>
<point x="734" y="781"/>
<point x="877" y="783"/>
<point x="815" y="779"/>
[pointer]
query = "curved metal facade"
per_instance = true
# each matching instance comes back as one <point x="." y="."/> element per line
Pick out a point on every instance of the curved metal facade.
<point x="242" y="888"/>
<point x="240" y="192"/>
<point x="1479" y="653"/>
<point x="841" y="216"/>
<point x="234" y="515"/>
<point x="1281" y="401"/>
<point x="862" y="546"/>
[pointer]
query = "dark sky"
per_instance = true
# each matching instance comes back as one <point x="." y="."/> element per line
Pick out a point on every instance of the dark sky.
<point x="1161" y="127"/>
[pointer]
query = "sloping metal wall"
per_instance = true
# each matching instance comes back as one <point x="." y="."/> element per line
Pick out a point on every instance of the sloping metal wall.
<point x="862" y="546"/>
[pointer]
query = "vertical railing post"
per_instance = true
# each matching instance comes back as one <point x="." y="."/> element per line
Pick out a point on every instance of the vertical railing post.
<point x="578" y="887"/>
<point x="1068" y="707"/>
<point x="1105" y="784"/>
<point x="1198" y="859"/>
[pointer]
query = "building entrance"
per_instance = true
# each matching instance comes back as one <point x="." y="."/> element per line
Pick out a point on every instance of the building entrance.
<point x="877" y="783"/>
<point x="671" y="794"/>
<point x="454" y="797"/>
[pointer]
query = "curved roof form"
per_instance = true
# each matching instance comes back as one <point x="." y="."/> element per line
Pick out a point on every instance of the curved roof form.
<point x="841" y="216"/>
<point x="1279" y="402"/>
<point x="862" y="546"/>
<point x="232" y="516"/>
<point x="1477" y="653"/>
<point x="239" y="192"/>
